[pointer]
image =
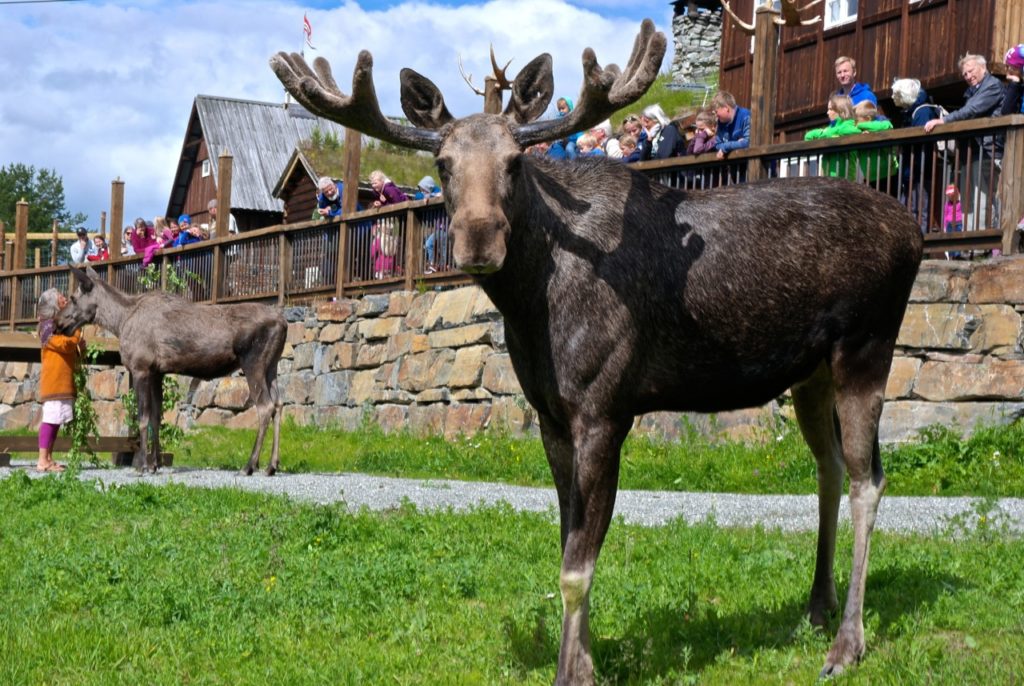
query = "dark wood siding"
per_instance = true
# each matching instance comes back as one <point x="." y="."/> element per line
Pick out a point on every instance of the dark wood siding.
<point x="890" y="39"/>
<point x="299" y="199"/>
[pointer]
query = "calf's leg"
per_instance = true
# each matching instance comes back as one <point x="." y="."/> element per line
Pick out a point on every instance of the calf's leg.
<point x="860" y="378"/>
<point x="814" y="401"/>
<point x="592" y="492"/>
<point x="156" y="415"/>
<point x="275" y="398"/>
<point x="140" y="382"/>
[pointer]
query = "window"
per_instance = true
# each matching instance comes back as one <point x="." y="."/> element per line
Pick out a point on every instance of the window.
<point x="206" y="168"/>
<point x="840" y="12"/>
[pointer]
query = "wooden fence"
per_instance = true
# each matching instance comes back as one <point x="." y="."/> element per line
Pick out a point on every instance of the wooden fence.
<point x="405" y="246"/>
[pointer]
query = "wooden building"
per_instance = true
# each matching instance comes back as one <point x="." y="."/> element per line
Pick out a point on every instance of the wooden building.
<point x="296" y="189"/>
<point x="889" y="39"/>
<point x="261" y="138"/>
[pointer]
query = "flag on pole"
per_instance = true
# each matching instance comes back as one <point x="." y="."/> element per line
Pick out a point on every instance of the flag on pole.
<point x="307" y="30"/>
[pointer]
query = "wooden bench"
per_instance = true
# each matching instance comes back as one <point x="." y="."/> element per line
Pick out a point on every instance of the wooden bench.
<point x="122" y="448"/>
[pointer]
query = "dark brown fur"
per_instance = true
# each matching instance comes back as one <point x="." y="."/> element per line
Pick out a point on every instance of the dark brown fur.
<point x="163" y="334"/>
<point x="621" y="296"/>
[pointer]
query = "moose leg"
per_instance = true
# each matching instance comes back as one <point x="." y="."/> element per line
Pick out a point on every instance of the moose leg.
<point x="558" y="448"/>
<point x="259" y="394"/>
<point x="156" y="402"/>
<point x="275" y="397"/>
<point x="591" y="502"/>
<point x="140" y="382"/>
<point x="814" y="400"/>
<point x="860" y="387"/>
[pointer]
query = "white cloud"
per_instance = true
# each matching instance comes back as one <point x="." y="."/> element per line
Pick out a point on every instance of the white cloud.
<point x="98" y="92"/>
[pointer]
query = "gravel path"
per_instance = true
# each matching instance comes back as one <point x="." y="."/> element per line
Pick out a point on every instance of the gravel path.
<point x="649" y="508"/>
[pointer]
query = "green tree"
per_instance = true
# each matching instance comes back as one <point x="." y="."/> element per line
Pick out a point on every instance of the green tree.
<point x="43" y="190"/>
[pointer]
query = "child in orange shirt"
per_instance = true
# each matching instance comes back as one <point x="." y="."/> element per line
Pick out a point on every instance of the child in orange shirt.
<point x="60" y="355"/>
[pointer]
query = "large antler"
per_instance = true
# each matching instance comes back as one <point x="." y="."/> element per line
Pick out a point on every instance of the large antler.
<point x="318" y="92"/>
<point x="604" y="90"/>
<point x="790" y="14"/>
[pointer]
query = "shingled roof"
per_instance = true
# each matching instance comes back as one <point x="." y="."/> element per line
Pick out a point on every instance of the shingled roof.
<point x="261" y="137"/>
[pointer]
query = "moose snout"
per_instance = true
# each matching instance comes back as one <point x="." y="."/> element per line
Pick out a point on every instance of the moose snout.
<point x="480" y="243"/>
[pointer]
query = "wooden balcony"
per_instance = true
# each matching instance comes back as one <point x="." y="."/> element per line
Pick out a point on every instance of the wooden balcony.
<point x="407" y="246"/>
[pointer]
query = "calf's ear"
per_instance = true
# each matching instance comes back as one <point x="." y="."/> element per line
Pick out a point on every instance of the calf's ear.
<point x="422" y="101"/>
<point x="84" y="280"/>
<point x="532" y="90"/>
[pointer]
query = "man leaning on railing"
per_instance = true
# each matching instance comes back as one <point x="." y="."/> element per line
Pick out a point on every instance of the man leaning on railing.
<point x="983" y="98"/>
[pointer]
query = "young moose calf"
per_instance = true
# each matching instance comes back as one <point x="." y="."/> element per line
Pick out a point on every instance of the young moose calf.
<point x="163" y="334"/>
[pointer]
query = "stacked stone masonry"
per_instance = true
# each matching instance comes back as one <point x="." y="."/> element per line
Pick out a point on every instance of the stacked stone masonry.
<point x="436" y="363"/>
<point x="698" y="39"/>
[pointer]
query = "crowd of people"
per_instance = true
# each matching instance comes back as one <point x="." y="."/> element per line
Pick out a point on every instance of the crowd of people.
<point x="144" y="237"/>
<point x="652" y="135"/>
<point x="853" y="109"/>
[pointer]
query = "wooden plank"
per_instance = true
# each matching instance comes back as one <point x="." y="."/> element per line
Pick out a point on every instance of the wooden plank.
<point x="23" y="346"/>
<point x="103" y="444"/>
<point x="116" y="215"/>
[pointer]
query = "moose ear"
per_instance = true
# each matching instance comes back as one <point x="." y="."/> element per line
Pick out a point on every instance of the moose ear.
<point x="91" y="272"/>
<point x="532" y="90"/>
<point x="84" y="280"/>
<point x="422" y="102"/>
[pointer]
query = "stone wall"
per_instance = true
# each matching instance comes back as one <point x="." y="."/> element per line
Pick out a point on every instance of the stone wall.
<point x="698" y="44"/>
<point x="436" y="362"/>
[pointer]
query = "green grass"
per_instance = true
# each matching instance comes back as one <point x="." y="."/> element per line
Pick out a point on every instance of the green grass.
<point x="675" y="103"/>
<point x="989" y="463"/>
<point x="170" y="585"/>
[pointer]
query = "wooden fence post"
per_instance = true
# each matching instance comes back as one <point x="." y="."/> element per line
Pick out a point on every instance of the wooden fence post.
<point x="339" y="288"/>
<point x="764" y="82"/>
<point x="225" y="169"/>
<point x="53" y="246"/>
<point x="5" y="254"/>
<point x="350" y="190"/>
<point x="284" y="260"/>
<point x="116" y="216"/>
<point x="103" y="228"/>
<point x="412" y="255"/>
<point x="20" y="234"/>
<point x="1011" y="208"/>
<point x="225" y="164"/>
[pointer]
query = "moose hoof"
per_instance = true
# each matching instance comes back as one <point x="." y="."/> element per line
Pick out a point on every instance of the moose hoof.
<point x="847" y="650"/>
<point x="246" y="471"/>
<point x="271" y="471"/>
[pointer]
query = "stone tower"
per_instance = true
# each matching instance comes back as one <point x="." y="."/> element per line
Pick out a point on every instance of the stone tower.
<point x="697" y="30"/>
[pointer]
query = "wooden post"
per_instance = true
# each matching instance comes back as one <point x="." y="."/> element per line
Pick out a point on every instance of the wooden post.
<point x="116" y="215"/>
<point x="492" y="95"/>
<point x="284" y="261"/>
<point x="225" y="163"/>
<point x="350" y="192"/>
<point x="53" y="246"/>
<point x="339" y="285"/>
<point x="5" y="254"/>
<point x="763" y="84"/>
<point x="20" y="234"/>
<point x="37" y="258"/>
<point x="1012" y="203"/>
<point x="413" y="251"/>
<point x="103" y="225"/>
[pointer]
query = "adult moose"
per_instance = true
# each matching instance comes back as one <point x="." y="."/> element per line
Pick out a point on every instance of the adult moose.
<point x="621" y="296"/>
<point x="163" y="334"/>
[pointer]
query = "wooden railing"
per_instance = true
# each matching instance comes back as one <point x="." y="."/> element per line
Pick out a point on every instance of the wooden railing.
<point x="407" y="246"/>
<point x="961" y="154"/>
